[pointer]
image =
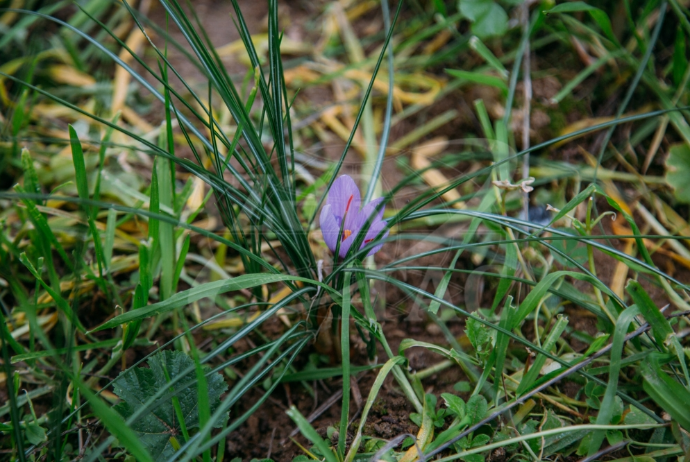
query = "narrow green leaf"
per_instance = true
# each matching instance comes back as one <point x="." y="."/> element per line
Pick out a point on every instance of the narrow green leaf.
<point x="61" y="351"/>
<point x="324" y="373"/>
<point x="154" y="203"/>
<point x="101" y="155"/>
<point x="209" y="289"/>
<point x="486" y="203"/>
<point x="660" y="326"/>
<point x="482" y="79"/>
<point x="477" y="45"/>
<point x="181" y="260"/>
<point x="589" y="70"/>
<point x="165" y="230"/>
<point x="598" y="15"/>
<point x="679" y="61"/>
<point x="484" y="119"/>
<point x="109" y="237"/>
<point x="363" y="286"/>
<point x="31" y="183"/>
<point x="131" y="329"/>
<point x="662" y="330"/>
<point x="79" y="164"/>
<point x="606" y="409"/>
<point x="57" y="297"/>
<point x="502" y="340"/>
<point x="345" y="354"/>
<point x="310" y="433"/>
<point x="534" y="371"/>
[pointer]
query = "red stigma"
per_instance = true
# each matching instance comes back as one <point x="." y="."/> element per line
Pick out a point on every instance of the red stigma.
<point x="349" y="201"/>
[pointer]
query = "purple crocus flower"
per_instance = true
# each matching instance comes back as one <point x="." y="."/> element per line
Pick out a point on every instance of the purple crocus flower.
<point x="343" y="208"/>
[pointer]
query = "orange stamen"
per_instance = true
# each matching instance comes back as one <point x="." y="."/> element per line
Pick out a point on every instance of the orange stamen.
<point x="346" y="233"/>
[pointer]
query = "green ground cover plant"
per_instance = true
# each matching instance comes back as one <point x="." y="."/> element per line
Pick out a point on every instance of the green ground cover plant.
<point x="344" y="231"/>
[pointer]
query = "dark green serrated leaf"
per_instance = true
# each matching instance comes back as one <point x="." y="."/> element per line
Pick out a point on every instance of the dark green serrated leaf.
<point x="156" y="428"/>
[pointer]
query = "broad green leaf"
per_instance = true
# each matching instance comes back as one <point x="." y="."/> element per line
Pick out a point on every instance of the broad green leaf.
<point x="637" y="417"/>
<point x="480" y="337"/>
<point x="492" y="24"/>
<point x="35" y="434"/>
<point x="474" y="9"/>
<point x="670" y="395"/>
<point x="678" y="171"/>
<point x="156" y="428"/>
<point x="455" y="404"/>
<point x="473" y="458"/>
<point x="488" y="17"/>
<point x="476" y="408"/>
<point x="462" y="387"/>
<point x="480" y="440"/>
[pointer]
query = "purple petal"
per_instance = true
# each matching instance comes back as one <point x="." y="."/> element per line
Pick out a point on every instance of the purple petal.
<point x="344" y="197"/>
<point x="329" y="227"/>
<point x="346" y="244"/>
<point x="373" y="232"/>
<point x="369" y="209"/>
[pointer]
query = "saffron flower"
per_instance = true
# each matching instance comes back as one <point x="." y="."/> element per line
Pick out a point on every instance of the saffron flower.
<point x="343" y="210"/>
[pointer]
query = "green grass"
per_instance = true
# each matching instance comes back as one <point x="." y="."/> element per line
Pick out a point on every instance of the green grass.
<point x="186" y="221"/>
